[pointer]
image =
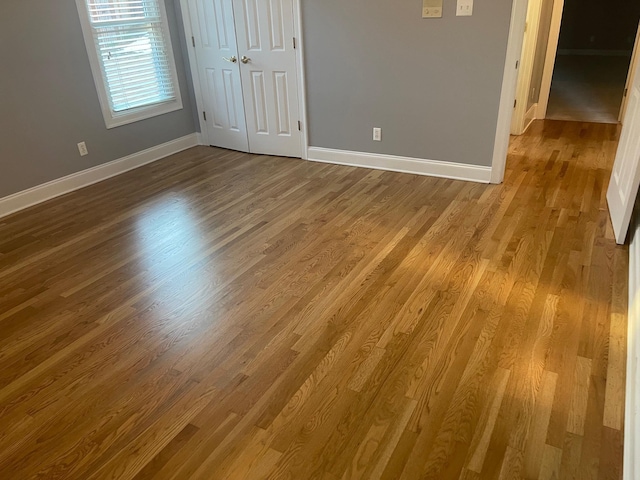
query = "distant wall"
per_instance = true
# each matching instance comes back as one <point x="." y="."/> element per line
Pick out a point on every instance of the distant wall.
<point x="599" y="24"/>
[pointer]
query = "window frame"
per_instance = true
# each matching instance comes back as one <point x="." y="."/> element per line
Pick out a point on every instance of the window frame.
<point x="114" y="119"/>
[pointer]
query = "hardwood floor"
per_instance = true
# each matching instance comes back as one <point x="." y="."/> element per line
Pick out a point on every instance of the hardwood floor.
<point x="218" y="315"/>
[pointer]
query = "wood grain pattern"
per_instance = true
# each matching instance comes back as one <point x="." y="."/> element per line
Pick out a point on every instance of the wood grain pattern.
<point x="218" y="315"/>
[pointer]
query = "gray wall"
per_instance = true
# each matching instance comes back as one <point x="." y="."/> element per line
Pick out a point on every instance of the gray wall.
<point x="48" y="99"/>
<point x="432" y="85"/>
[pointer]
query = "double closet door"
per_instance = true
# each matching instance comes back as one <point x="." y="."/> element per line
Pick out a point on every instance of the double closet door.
<point x="246" y="64"/>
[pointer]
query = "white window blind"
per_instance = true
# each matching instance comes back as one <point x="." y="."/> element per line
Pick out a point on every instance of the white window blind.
<point x="132" y="49"/>
<point x="131" y="57"/>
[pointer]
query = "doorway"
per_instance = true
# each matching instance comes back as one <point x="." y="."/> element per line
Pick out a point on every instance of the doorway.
<point x="244" y="63"/>
<point x="588" y="88"/>
<point x="579" y="68"/>
<point x="595" y="47"/>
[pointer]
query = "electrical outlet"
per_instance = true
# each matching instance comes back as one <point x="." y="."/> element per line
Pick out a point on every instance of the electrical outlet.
<point x="465" y="8"/>
<point x="377" y="134"/>
<point x="82" y="148"/>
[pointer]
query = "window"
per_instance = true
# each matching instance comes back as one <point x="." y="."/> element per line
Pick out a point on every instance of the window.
<point x="131" y="58"/>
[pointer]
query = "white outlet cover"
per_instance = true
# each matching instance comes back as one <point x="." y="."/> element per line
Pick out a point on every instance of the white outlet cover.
<point x="82" y="148"/>
<point x="464" y="8"/>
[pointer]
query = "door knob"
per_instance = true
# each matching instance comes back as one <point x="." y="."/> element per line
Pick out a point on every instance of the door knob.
<point x="245" y="59"/>
<point x="232" y="59"/>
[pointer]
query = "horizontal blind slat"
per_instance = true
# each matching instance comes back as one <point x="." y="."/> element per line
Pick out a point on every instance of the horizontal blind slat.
<point x="139" y="87"/>
<point x="137" y="73"/>
<point x="110" y="10"/>
<point x="131" y="103"/>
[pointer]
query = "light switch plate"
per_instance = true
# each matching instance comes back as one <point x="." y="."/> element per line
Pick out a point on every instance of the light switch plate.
<point x="464" y="8"/>
<point x="431" y="8"/>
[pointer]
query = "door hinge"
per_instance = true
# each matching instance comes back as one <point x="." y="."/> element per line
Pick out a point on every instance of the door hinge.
<point x="517" y="64"/>
<point x="294" y="43"/>
<point x="626" y="90"/>
<point x="204" y="115"/>
<point x="299" y="125"/>
<point x="515" y="102"/>
<point x="193" y="41"/>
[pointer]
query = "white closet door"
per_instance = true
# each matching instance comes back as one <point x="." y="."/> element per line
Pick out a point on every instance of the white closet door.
<point x="265" y="37"/>
<point x="215" y="43"/>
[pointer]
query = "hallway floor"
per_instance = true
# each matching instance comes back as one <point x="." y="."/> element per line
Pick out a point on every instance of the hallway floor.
<point x="588" y="88"/>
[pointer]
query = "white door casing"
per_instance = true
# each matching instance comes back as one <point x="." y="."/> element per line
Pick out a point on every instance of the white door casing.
<point x="265" y="36"/>
<point x="508" y="93"/>
<point x="214" y="40"/>
<point x="521" y="115"/>
<point x="550" y="58"/>
<point x="625" y="177"/>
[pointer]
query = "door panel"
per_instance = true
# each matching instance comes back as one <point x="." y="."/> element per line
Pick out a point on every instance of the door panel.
<point x="265" y="36"/>
<point x="281" y="84"/>
<point x="259" y="98"/>
<point x="215" y="39"/>
<point x="625" y="178"/>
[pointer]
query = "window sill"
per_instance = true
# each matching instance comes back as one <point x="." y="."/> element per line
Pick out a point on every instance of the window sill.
<point x="142" y="113"/>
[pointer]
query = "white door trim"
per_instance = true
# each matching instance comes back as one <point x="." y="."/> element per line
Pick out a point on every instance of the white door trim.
<point x="521" y="115"/>
<point x="197" y="87"/>
<point x="302" y="81"/>
<point x="508" y="95"/>
<point x="550" y="58"/>
<point x="203" y="134"/>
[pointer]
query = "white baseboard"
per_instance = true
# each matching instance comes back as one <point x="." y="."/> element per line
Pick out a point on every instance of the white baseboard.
<point x="200" y="138"/>
<point x="632" y="415"/>
<point x="433" y="168"/>
<point x="46" y="191"/>
<point x="530" y="116"/>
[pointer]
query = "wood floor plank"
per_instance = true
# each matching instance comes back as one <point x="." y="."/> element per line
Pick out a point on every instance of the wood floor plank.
<point x="550" y="463"/>
<point x="220" y="315"/>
